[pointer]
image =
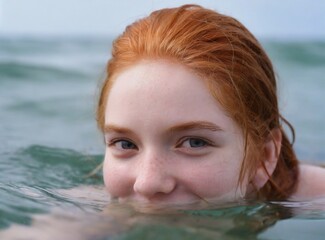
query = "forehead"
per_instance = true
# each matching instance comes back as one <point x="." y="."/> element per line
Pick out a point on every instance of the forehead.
<point x="153" y="73"/>
<point x="162" y="91"/>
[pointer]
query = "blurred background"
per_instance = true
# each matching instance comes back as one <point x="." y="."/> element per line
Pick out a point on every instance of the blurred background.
<point x="53" y="56"/>
<point x="289" y="19"/>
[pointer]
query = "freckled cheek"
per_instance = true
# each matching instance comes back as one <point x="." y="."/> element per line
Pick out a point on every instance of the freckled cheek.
<point x="117" y="179"/>
<point x="213" y="182"/>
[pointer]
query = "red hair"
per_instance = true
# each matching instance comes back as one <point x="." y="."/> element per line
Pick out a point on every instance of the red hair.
<point x="235" y="67"/>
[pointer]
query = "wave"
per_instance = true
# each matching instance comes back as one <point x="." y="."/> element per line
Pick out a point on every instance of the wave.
<point x="22" y="71"/>
<point x="39" y="60"/>
<point x="44" y="46"/>
<point x="34" y="178"/>
<point x="53" y="167"/>
<point x="303" y="53"/>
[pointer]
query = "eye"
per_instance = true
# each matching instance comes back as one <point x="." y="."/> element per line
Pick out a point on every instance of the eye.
<point x="194" y="143"/>
<point x="123" y="144"/>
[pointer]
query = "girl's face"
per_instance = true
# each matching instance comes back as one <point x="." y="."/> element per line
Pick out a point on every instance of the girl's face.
<point x="167" y="139"/>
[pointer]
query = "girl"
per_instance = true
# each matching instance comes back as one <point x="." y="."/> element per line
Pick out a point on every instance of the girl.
<point x="189" y="113"/>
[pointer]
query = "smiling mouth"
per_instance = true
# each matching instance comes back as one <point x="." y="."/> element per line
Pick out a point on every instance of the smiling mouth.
<point x="156" y="207"/>
<point x="163" y="206"/>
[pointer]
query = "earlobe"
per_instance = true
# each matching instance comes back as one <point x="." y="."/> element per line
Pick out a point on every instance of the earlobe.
<point x="272" y="148"/>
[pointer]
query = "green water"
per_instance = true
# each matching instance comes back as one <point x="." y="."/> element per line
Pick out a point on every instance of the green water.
<point x="50" y="145"/>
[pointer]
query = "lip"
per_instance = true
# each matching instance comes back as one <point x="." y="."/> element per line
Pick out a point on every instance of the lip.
<point x="161" y="206"/>
<point x="172" y="204"/>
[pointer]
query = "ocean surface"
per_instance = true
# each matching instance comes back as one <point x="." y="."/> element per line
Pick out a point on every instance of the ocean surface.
<point x="50" y="146"/>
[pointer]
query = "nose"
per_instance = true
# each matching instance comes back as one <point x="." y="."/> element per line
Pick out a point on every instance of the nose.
<point x="154" y="178"/>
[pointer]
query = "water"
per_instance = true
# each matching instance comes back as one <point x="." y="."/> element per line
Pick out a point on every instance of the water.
<point x="50" y="145"/>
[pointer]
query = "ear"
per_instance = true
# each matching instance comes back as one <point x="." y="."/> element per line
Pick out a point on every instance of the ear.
<point x="270" y="156"/>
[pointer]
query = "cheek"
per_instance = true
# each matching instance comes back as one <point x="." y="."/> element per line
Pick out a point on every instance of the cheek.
<point x="215" y="180"/>
<point x="215" y="183"/>
<point x="117" y="179"/>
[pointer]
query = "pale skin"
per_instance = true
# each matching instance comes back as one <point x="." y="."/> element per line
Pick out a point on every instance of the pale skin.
<point x="169" y="142"/>
<point x="311" y="183"/>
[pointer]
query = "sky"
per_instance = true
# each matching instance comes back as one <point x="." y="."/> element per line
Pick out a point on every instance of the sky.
<point x="288" y="19"/>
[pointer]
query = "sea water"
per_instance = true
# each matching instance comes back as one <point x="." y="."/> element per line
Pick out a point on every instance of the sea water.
<point x="50" y="147"/>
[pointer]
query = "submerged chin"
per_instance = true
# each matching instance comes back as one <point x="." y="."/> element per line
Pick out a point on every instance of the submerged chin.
<point x="170" y="206"/>
<point x="157" y="205"/>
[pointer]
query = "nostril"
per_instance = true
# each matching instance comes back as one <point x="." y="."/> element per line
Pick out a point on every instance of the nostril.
<point x="151" y="185"/>
<point x="153" y="175"/>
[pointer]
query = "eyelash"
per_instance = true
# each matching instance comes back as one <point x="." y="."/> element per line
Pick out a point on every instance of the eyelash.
<point x="115" y="141"/>
<point x="205" y="142"/>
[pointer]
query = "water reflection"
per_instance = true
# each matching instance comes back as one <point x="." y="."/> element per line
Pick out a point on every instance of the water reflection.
<point x="93" y="220"/>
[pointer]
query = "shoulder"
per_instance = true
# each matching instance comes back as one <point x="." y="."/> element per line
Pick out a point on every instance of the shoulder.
<point x="311" y="183"/>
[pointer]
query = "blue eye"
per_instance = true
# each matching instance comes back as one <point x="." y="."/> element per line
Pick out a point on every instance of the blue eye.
<point x="196" y="142"/>
<point x="194" y="146"/>
<point x="192" y="142"/>
<point x="127" y="145"/>
<point x="124" y="144"/>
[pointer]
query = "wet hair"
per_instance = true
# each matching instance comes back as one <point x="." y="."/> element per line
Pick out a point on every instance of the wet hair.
<point x="236" y="69"/>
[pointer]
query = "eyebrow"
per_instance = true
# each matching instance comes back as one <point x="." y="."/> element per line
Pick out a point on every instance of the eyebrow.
<point x="193" y="125"/>
<point x="114" y="128"/>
